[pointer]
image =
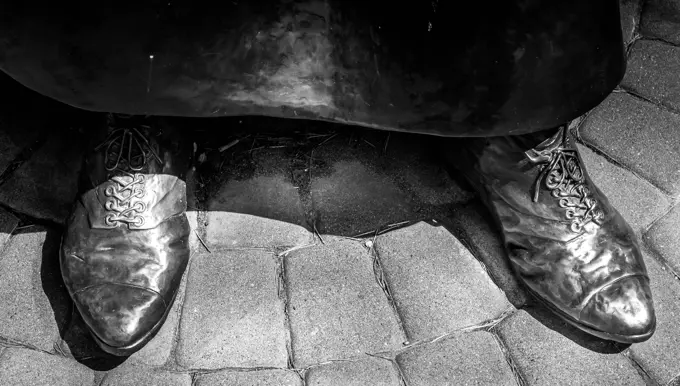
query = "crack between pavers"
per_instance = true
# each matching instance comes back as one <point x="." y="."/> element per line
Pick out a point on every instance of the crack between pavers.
<point x="649" y="381"/>
<point x="172" y="362"/>
<point x="502" y="345"/>
<point x="635" y="37"/>
<point x="9" y="343"/>
<point x="199" y="372"/>
<point x="635" y="95"/>
<point x="354" y="359"/>
<point x="381" y="280"/>
<point x="486" y="326"/>
<point x="302" y="374"/>
<point x="400" y="373"/>
<point x="637" y="22"/>
<point x="660" y="40"/>
<point x="284" y="251"/>
<point x="636" y="34"/>
<point x="4" y="247"/>
<point x="99" y="378"/>
<point x="674" y="381"/>
<point x="198" y="198"/>
<point x="201" y="228"/>
<point x="216" y="249"/>
<point x="651" y="225"/>
<point x="388" y="227"/>
<point x="282" y="293"/>
<point x="277" y="250"/>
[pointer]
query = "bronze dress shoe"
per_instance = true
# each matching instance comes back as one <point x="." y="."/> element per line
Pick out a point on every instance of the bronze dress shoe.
<point x="571" y="249"/>
<point x="126" y="244"/>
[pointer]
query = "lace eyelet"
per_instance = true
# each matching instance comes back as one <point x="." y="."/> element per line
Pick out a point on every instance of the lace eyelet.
<point x="126" y="152"/>
<point x="562" y="174"/>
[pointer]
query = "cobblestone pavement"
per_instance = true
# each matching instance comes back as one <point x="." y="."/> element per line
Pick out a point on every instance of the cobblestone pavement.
<point x="342" y="256"/>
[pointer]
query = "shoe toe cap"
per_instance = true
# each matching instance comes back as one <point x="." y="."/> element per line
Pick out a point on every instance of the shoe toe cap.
<point x="120" y="316"/>
<point x="623" y="309"/>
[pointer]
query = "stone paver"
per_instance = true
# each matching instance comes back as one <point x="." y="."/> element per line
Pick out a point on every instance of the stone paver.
<point x="660" y="354"/>
<point x="34" y="305"/>
<point x="543" y="356"/>
<point x="8" y="222"/>
<point x="638" y="135"/>
<point x="251" y="378"/>
<point x="22" y="367"/>
<point x="661" y="19"/>
<point x="664" y="238"/>
<point x="355" y="199"/>
<point x="463" y="359"/>
<point x="651" y="70"/>
<point x="637" y="200"/>
<point x="45" y="186"/>
<point x="472" y="223"/>
<point x="370" y="371"/>
<point x="437" y="284"/>
<point x="136" y="376"/>
<point x="336" y="308"/>
<point x="242" y="209"/>
<point x="232" y="314"/>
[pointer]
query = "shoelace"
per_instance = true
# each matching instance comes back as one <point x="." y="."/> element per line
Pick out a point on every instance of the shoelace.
<point x="130" y="151"/>
<point x="563" y="176"/>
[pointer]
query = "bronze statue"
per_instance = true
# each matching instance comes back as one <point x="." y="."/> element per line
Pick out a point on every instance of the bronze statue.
<point x="506" y="75"/>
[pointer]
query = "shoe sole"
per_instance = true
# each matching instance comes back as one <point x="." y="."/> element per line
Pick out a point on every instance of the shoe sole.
<point x="628" y="339"/>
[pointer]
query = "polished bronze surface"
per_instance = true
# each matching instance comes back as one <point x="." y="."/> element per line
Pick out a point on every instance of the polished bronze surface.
<point x="565" y="241"/>
<point x="448" y="68"/>
<point x="126" y="244"/>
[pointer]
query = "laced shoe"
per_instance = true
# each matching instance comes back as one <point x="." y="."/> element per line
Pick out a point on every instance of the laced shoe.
<point x="126" y="244"/>
<point x="572" y="250"/>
